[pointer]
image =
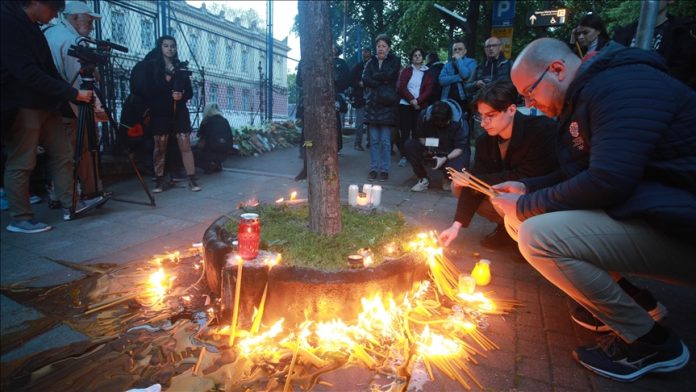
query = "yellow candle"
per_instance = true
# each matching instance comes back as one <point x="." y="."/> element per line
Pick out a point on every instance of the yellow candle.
<point x="237" y="291"/>
<point x="482" y="272"/>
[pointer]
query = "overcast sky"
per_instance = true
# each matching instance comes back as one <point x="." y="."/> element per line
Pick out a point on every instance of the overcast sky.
<point x="283" y="18"/>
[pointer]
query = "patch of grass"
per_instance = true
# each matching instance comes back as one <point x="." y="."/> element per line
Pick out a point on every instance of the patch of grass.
<point x="285" y="230"/>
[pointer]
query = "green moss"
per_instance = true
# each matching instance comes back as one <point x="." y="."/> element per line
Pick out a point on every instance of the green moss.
<point x="285" y="230"/>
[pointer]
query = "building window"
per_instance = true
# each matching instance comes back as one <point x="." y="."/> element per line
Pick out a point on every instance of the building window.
<point x="230" y="97"/>
<point x="194" y="45"/>
<point x="245" y="60"/>
<point x="146" y="36"/>
<point x="118" y="28"/>
<point x="212" y="53"/>
<point x="246" y="100"/>
<point x="213" y="93"/>
<point x="229" y="56"/>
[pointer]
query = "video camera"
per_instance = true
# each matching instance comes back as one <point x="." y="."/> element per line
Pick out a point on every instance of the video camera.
<point x="98" y="55"/>
<point x="179" y="74"/>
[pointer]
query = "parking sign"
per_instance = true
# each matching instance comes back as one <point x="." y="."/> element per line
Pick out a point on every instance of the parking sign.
<point x="503" y="13"/>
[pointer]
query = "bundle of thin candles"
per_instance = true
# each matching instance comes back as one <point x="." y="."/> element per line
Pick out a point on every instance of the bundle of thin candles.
<point x="471" y="181"/>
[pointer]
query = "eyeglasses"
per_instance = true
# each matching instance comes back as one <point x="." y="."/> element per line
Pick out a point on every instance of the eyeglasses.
<point x="528" y="95"/>
<point x="491" y="46"/>
<point x="458" y="49"/>
<point x="485" y="117"/>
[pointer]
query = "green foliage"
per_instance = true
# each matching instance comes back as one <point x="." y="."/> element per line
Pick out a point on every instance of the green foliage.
<point x="285" y="230"/>
<point x="293" y="91"/>
<point x="417" y="24"/>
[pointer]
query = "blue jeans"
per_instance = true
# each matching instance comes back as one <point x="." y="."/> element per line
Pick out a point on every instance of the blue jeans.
<point x="380" y="144"/>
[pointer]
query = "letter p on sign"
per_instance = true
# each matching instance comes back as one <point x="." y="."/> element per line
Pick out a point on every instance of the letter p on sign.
<point x="503" y="12"/>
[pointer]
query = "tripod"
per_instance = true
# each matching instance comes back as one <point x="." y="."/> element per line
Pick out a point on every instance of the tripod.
<point x="86" y="126"/>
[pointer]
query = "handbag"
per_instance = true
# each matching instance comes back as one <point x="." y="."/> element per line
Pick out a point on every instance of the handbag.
<point x="386" y="95"/>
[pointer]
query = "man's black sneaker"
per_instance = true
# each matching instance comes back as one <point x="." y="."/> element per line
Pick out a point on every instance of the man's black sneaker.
<point x="383" y="176"/>
<point x="613" y="358"/>
<point x="497" y="239"/>
<point x="372" y="176"/>
<point x="644" y="298"/>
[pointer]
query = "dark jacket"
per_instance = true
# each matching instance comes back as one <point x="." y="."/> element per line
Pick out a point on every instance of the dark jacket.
<point x="375" y="76"/>
<point x="674" y="40"/>
<point x="426" y="86"/>
<point x="216" y="134"/>
<point x="456" y="135"/>
<point x="490" y="71"/>
<point x="434" y="69"/>
<point x="28" y="76"/>
<point x="624" y="146"/>
<point x="358" y="92"/>
<point x="341" y="75"/>
<point x="531" y="153"/>
<point x="166" y="117"/>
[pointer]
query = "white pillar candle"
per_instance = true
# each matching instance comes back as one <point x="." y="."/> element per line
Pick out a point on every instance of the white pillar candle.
<point x="352" y="195"/>
<point x="362" y="200"/>
<point x="367" y="189"/>
<point x="376" y="195"/>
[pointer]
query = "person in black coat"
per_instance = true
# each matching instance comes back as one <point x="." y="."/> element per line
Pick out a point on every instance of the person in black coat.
<point x="215" y="140"/>
<point x="674" y="38"/>
<point x="380" y="76"/>
<point x="164" y="83"/>
<point x="514" y="146"/>
<point x="623" y="200"/>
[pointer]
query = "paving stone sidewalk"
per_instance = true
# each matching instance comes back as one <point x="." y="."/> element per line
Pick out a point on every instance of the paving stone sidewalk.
<point x="536" y="340"/>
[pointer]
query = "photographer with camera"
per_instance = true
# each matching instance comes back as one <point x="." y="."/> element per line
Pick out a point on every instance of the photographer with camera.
<point x="77" y="22"/>
<point x="441" y="139"/>
<point x="32" y="97"/>
<point x="164" y="83"/>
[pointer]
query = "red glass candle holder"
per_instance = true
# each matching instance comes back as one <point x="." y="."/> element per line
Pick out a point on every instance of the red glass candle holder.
<point x="248" y="236"/>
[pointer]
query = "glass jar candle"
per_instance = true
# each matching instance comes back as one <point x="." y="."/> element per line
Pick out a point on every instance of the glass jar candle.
<point x="482" y="272"/>
<point x="249" y="236"/>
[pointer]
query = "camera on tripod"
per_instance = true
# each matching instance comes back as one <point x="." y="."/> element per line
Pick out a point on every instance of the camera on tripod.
<point x="89" y="56"/>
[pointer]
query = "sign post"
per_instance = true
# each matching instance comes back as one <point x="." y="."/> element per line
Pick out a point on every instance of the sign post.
<point x="547" y="18"/>
<point x="501" y="22"/>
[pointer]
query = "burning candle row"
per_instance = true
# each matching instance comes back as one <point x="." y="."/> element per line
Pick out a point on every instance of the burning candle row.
<point x="371" y="195"/>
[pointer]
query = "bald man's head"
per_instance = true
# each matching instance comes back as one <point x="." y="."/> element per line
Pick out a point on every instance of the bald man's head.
<point x="541" y="52"/>
<point x="542" y="73"/>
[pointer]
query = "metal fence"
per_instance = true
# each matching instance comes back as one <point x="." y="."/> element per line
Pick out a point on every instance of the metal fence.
<point x="228" y="59"/>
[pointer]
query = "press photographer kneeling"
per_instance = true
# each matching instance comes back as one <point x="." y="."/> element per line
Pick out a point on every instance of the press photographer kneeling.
<point x="440" y="140"/>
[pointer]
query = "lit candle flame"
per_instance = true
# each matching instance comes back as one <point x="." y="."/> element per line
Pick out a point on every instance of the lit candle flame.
<point x="293" y="196"/>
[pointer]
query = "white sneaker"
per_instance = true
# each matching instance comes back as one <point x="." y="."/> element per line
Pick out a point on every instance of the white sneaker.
<point x="421" y="185"/>
<point x="83" y="206"/>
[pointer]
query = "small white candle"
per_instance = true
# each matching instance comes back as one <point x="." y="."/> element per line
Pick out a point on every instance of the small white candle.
<point x="376" y="195"/>
<point x="367" y="188"/>
<point x="362" y="199"/>
<point x="352" y="195"/>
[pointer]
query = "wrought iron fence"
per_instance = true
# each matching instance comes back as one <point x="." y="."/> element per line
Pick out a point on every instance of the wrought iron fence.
<point x="228" y="59"/>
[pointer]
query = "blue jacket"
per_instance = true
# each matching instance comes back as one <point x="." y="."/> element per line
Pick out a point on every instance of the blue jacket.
<point x="450" y="77"/>
<point x="626" y="143"/>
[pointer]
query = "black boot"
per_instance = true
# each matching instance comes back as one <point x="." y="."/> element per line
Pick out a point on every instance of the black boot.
<point x="498" y="238"/>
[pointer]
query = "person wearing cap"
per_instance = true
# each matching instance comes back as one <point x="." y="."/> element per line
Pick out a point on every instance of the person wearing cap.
<point x="32" y="93"/>
<point x="77" y="21"/>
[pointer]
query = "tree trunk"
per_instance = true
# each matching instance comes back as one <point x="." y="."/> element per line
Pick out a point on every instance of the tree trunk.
<point x="320" y="117"/>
